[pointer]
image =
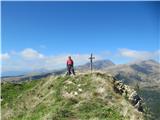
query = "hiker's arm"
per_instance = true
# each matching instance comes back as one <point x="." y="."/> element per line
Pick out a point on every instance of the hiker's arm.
<point x="67" y="64"/>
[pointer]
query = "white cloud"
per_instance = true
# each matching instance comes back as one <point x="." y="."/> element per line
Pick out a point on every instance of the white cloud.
<point x="31" y="59"/>
<point x="4" y="56"/>
<point x="157" y="53"/>
<point x="30" y="53"/>
<point x="59" y="61"/>
<point x="138" y="54"/>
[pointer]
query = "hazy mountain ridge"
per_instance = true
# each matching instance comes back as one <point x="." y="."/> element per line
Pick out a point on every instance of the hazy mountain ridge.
<point x="147" y="72"/>
<point x="97" y="65"/>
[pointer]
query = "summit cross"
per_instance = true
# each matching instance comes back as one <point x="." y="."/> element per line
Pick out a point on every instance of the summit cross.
<point x="91" y="61"/>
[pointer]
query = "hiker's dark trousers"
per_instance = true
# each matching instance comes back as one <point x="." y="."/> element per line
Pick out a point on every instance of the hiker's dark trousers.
<point x="70" y="70"/>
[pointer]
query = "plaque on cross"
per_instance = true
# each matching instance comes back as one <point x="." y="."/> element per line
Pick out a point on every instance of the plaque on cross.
<point x="91" y="61"/>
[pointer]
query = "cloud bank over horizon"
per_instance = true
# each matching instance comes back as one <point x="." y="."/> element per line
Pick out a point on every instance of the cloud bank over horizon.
<point x="31" y="59"/>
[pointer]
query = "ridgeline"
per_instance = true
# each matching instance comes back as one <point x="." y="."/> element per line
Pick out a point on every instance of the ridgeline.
<point x="96" y="96"/>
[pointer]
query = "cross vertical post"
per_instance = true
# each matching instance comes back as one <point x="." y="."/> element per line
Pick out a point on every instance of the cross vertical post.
<point x="91" y="61"/>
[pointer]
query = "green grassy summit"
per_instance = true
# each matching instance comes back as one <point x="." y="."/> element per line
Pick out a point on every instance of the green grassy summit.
<point x="80" y="97"/>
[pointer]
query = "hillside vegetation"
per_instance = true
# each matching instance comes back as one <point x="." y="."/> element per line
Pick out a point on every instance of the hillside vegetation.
<point x="80" y="97"/>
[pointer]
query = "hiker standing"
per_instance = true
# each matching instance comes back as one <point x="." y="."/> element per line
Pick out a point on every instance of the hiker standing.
<point x="70" y="68"/>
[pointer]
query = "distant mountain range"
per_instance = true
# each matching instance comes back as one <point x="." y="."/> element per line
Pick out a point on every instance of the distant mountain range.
<point x="145" y="71"/>
<point x="23" y="72"/>
<point x="97" y="65"/>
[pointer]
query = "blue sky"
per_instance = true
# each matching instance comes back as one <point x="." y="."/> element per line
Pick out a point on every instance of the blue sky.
<point x="107" y="29"/>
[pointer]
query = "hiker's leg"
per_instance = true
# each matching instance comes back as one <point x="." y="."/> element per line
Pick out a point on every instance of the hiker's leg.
<point x="73" y="70"/>
<point x="69" y="69"/>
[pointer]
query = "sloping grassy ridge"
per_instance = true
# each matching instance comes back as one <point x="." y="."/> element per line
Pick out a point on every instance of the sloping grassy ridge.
<point x="81" y="97"/>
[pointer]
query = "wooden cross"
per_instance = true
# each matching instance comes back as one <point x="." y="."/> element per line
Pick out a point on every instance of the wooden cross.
<point x="91" y="61"/>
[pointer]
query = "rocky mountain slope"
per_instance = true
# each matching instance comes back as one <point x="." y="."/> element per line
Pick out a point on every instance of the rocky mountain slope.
<point x="94" y="96"/>
<point x="97" y="65"/>
<point x="147" y="72"/>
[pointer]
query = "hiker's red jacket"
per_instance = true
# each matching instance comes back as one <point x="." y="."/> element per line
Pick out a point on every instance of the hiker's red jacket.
<point x="69" y="62"/>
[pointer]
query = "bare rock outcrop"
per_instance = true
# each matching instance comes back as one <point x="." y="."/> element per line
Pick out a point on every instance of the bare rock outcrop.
<point x="128" y="93"/>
